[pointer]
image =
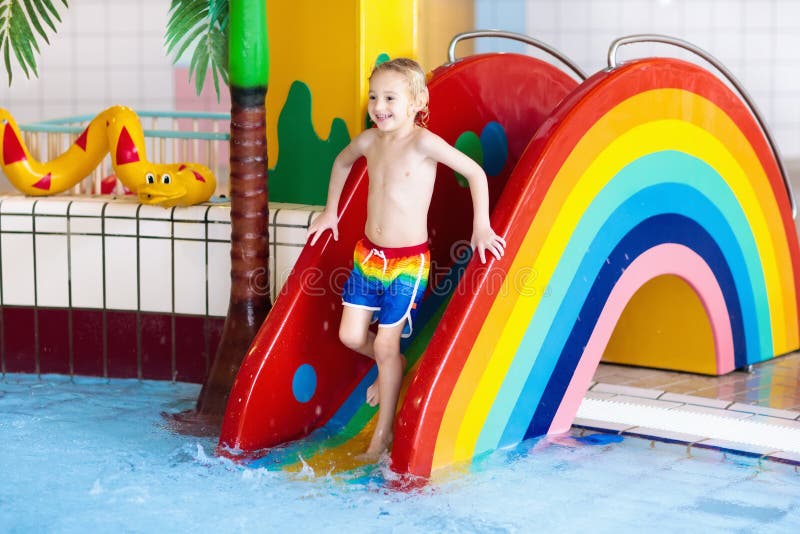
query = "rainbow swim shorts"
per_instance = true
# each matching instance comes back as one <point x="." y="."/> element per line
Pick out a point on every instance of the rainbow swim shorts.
<point x="388" y="281"/>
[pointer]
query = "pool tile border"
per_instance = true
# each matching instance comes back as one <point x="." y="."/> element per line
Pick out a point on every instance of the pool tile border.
<point x="689" y="403"/>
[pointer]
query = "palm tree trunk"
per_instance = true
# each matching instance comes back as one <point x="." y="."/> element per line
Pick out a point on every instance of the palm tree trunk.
<point x="250" y="298"/>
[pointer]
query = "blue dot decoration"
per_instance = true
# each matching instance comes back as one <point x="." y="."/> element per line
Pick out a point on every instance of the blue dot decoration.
<point x="495" y="148"/>
<point x="304" y="383"/>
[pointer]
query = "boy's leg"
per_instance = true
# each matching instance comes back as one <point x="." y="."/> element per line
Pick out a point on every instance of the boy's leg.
<point x="354" y="332"/>
<point x="390" y="377"/>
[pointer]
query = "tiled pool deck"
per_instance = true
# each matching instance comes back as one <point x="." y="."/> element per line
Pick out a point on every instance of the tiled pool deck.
<point x="754" y="412"/>
<point x="774" y="383"/>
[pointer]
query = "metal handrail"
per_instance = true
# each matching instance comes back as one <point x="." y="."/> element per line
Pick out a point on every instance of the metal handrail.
<point x="666" y="39"/>
<point x="451" y="50"/>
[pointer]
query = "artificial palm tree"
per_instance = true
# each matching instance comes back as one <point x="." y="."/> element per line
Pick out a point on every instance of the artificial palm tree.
<point x="240" y="28"/>
<point x="250" y="298"/>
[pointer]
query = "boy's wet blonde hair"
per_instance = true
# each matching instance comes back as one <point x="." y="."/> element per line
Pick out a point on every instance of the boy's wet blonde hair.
<point x="416" y="82"/>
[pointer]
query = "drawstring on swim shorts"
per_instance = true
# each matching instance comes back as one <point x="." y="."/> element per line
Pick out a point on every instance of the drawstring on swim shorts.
<point x="381" y="255"/>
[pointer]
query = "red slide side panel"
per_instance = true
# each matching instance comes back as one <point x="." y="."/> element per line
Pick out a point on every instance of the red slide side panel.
<point x="299" y="338"/>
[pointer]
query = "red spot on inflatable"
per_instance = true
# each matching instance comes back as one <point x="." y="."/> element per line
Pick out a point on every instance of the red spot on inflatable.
<point x="126" y="150"/>
<point x="198" y="177"/>
<point x="108" y="184"/>
<point x="44" y="183"/>
<point x="12" y="148"/>
<point x="81" y="140"/>
<point x="181" y="167"/>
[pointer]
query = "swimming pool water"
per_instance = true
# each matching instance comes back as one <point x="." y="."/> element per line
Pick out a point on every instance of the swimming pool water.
<point x="88" y="454"/>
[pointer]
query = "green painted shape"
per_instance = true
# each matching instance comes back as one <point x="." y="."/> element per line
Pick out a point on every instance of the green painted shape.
<point x="303" y="167"/>
<point x="470" y="144"/>
<point x="248" y="45"/>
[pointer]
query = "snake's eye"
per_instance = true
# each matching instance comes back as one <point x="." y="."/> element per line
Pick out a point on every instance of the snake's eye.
<point x="166" y="179"/>
<point x="150" y="178"/>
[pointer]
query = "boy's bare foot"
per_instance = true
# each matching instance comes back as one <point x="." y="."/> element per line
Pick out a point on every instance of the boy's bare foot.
<point x="377" y="446"/>
<point x="373" y="391"/>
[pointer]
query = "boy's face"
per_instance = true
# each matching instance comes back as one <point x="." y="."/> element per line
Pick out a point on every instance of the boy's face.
<point x="390" y="105"/>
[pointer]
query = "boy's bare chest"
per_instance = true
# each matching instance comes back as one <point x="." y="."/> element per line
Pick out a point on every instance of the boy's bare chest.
<point x="397" y="167"/>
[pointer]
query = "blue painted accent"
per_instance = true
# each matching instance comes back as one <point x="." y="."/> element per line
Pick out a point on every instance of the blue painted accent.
<point x="304" y="383"/>
<point x="495" y="148"/>
<point x="639" y="191"/>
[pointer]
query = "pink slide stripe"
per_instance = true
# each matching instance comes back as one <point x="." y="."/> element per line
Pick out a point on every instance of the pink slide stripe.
<point x="669" y="258"/>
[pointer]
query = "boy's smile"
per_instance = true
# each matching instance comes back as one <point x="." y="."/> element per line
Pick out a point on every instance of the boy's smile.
<point x="390" y="106"/>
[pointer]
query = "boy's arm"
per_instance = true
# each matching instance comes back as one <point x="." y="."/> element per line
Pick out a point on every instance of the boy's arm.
<point x="329" y="218"/>
<point x="483" y="237"/>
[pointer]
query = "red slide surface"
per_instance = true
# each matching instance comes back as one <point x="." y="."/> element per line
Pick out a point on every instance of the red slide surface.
<point x="297" y="373"/>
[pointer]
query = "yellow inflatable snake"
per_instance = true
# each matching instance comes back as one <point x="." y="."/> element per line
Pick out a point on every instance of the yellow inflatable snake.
<point x="116" y="130"/>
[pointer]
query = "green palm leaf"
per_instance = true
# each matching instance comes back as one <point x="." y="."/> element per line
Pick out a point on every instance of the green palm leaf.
<point x="20" y="23"/>
<point x="202" y="24"/>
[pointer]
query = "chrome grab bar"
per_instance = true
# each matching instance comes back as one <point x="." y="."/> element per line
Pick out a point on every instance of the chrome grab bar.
<point x="451" y="50"/>
<point x="666" y="39"/>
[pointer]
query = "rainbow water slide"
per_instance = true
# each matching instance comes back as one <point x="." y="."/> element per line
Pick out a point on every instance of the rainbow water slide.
<point x="649" y="191"/>
<point x="297" y="376"/>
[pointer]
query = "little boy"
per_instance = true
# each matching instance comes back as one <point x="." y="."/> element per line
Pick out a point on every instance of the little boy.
<point x="391" y="262"/>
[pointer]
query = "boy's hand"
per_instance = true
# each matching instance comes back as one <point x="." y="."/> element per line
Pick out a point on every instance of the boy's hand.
<point x="324" y="222"/>
<point x="485" y="239"/>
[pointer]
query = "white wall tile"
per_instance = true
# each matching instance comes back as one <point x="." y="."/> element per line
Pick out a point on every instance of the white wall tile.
<point x="727" y="15"/>
<point x="190" y="277"/>
<point x="634" y="13"/>
<point x="605" y="15"/>
<point x="86" y="206"/>
<point x="86" y="271"/>
<point x="20" y="205"/>
<point x="125" y="18"/>
<point x="788" y="42"/>
<point x="125" y="86"/>
<point x="88" y="17"/>
<point x="759" y="14"/>
<point x="52" y="270"/>
<point x="90" y="50"/>
<point x="151" y="228"/>
<point x="758" y="47"/>
<point x="787" y="77"/>
<point x="124" y="51"/>
<point x="121" y="279"/>
<point x="221" y="231"/>
<point x="540" y="15"/>
<point x="219" y="278"/>
<point x="50" y="224"/>
<point x="16" y="223"/>
<point x="155" y="275"/>
<point x="787" y="14"/>
<point x="289" y="235"/>
<point x="190" y="230"/>
<point x="18" y="281"/>
<point x="120" y="226"/>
